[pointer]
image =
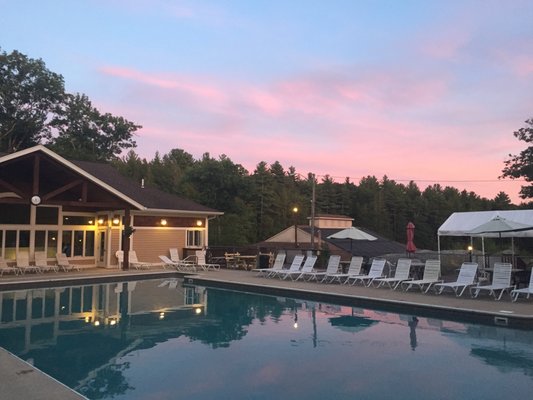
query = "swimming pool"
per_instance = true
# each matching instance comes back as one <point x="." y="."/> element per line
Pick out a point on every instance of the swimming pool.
<point x="158" y="339"/>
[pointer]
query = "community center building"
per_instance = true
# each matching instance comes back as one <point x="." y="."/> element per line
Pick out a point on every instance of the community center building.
<point x="89" y="211"/>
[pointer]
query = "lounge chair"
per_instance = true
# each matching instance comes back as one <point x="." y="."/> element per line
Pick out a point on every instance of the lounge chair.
<point x="467" y="275"/>
<point x="501" y="281"/>
<point x="403" y="269"/>
<point x="64" y="264"/>
<point x="168" y="263"/>
<point x="331" y="268"/>
<point x="515" y="293"/>
<point x="41" y="261"/>
<point x="431" y="276"/>
<point x="277" y="266"/>
<point x="175" y="257"/>
<point x="354" y="269"/>
<point x="307" y="269"/>
<point x="23" y="263"/>
<point x="376" y="271"/>
<point x="200" y="262"/>
<point x="295" y="267"/>
<point x="6" y="268"/>
<point x="135" y="263"/>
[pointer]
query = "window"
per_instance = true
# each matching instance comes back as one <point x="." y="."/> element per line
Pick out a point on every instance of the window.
<point x="78" y="243"/>
<point x="15" y="214"/>
<point x="194" y="238"/>
<point x="47" y="215"/>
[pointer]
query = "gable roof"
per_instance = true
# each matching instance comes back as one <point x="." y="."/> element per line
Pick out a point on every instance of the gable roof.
<point x="107" y="177"/>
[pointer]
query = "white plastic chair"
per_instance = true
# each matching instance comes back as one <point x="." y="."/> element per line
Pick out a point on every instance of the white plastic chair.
<point x="401" y="274"/>
<point x="376" y="271"/>
<point x="467" y="275"/>
<point x="501" y="281"/>
<point x="430" y="277"/>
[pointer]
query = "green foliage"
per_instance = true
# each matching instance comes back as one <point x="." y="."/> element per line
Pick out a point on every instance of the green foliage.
<point x="259" y="205"/>
<point x="521" y="165"/>
<point x="29" y="94"/>
<point x="34" y="109"/>
<point x="83" y="133"/>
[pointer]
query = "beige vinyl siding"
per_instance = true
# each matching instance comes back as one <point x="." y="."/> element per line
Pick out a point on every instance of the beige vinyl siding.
<point x="151" y="243"/>
<point x="115" y="245"/>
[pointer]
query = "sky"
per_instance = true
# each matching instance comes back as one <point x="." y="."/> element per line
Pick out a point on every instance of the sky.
<point x="422" y="90"/>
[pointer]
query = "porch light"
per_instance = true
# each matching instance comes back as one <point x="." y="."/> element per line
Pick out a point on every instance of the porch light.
<point x="100" y="221"/>
<point x="199" y="222"/>
<point x="116" y="220"/>
<point x="164" y="222"/>
<point x="90" y="222"/>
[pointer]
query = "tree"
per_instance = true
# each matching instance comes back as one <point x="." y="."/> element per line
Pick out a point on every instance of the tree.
<point x="29" y="94"/>
<point x="84" y="133"/>
<point x="521" y="165"/>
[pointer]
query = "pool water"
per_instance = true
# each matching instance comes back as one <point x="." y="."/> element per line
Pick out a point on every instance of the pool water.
<point x="157" y="339"/>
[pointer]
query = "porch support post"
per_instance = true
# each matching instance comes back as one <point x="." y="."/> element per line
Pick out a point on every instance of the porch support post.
<point x="126" y="240"/>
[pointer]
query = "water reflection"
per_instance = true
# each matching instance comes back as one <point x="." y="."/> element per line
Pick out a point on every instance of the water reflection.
<point x="82" y="335"/>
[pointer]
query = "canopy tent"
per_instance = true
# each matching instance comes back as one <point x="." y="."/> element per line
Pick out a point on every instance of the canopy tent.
<point x="464" y="223"/>
<point x="477" y="223"/>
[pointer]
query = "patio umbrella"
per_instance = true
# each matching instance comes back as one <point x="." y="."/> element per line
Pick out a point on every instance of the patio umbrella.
<point x="500" y="225"/>
<point x="351" y="323"/>
<point x="410" y="247"/>
<point x="352" y="233"/>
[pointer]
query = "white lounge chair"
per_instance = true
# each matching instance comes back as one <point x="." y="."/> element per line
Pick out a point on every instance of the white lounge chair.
<point x="295" y="267"/>
<point x="277" y="266"/>
<point x="41" y="261"/>
<point x="376" y="271"/>
<point x="308" y="269"/>
<point x="168" y="263"/>
<point x="354" y="269"/>
<point x="6" y="268"/>
<point x="200" y="262"/>
<point x="64" y="264"/>
<point x="175" y="257"/>
<point x="515" y="293"/>
<point x="501" y="281"/>
<point x="23" y="263"/>
<point x="401" y="274"/>
<point x="466" y="278"/>
<point x="331" y="268"/>
<point x="135" y="263"/>
<point x="430" y="277"/>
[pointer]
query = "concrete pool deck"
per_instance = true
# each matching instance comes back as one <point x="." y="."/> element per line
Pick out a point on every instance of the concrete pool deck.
<point x="20" y="380"/>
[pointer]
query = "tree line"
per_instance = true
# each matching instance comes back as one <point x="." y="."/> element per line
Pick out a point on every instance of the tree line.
<point x="35" y="109"/>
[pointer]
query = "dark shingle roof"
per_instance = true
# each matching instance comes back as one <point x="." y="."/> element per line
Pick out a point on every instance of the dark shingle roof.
<point x="148" y="196"/>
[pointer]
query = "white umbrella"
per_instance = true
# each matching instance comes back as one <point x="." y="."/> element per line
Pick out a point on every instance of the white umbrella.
<point x="499" y="225"/>
<point x="352" y="233"/>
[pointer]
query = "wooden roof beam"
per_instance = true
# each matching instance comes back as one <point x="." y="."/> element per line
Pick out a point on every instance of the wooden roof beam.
<point x="62" y="189"/>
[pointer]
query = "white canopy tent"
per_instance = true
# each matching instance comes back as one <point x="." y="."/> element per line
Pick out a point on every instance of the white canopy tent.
<point x="467" y="223"/>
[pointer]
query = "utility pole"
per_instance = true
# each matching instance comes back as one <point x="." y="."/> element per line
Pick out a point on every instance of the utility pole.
<point x="313" y="213"/>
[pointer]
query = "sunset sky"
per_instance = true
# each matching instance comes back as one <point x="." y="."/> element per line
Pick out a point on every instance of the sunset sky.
<point x="429" y="91"/>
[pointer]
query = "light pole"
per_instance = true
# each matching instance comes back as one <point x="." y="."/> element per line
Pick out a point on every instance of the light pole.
<point x="295" y="214"/>
<point x="470" y="248"/>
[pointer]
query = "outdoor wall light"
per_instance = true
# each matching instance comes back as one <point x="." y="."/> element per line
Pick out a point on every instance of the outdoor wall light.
<point x="295" y="210"/>
<point x="100" y="221"/>
<point x="199" y="222"/>
<point x="116" y="220"/>
<point x="90" y="222"/>
<point x="164" y="222"/>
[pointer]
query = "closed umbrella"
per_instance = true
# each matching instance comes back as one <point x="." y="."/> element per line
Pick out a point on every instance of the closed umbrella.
<point x="410" y="247"/>
<point x="352" y="233"/>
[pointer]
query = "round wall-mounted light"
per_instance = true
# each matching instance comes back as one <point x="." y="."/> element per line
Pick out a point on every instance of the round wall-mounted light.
<point x="100" y="221"/>
<point x="199" y="222"/>
<point x="116" y="221"/>
<point x="164" y="222"/>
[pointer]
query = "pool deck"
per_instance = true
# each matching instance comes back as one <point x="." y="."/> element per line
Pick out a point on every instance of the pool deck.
<point x="20" y="380"/>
